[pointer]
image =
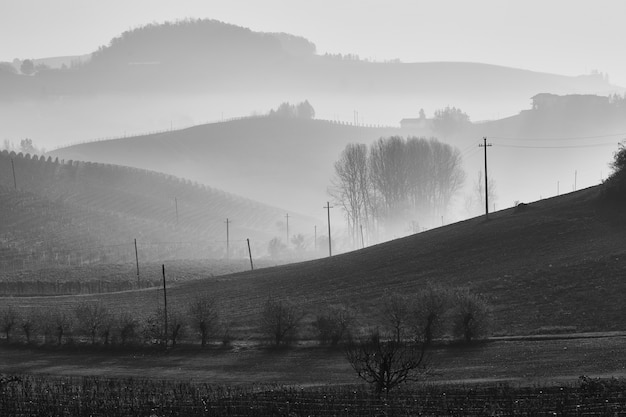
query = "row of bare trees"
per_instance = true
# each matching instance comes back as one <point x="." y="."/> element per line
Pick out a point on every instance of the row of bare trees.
<point x="395" y="182"/>
<point x="96" y="323"/>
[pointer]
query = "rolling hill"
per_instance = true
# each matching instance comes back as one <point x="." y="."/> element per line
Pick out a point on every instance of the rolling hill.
<point x="74" y="213"/>
<point x="556" y="265"/>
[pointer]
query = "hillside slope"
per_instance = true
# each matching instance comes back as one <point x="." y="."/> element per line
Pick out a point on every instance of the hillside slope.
<point x="75" y="210"/>
<point x="555" y="265"/>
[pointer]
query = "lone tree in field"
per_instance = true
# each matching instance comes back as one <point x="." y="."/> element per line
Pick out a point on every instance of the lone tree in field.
<point x="386" y="363"/>
<point x="204" y="317"/>
<point x="280" y="320"/>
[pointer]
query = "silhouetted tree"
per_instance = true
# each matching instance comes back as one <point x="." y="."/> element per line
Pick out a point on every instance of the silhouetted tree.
<point x="450" y="120"/>
<point x="385" y="363"/>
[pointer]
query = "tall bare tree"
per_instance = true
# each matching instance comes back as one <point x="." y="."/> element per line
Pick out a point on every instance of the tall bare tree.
<point x="351" y="187"/>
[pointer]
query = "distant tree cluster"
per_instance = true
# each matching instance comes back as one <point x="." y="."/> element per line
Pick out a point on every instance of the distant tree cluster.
<point x="395" y="181"/>
<point x="450" y="120"/>
<point x="302" y="110"/>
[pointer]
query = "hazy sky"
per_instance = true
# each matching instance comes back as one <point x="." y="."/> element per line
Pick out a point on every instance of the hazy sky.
<point x="568" y="37"/>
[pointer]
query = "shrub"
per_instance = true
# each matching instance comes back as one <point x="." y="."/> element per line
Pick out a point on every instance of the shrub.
<point x="280" y="321"/>
<point x="334" y="325"/>
<point x="471" y="316"/>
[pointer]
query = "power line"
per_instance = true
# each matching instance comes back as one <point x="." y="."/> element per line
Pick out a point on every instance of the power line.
<point x="562" y="138"/>
<point x="595" y="145"/>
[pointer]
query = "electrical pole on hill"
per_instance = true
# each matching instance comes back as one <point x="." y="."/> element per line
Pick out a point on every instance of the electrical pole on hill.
<point x="176" y="206"/>
<point x="227" y="239"/>
<point x="485" y="145"/>
<point x="330" y="250"/>
<point x="14" y="180"/>
<point x="287" y="217"/>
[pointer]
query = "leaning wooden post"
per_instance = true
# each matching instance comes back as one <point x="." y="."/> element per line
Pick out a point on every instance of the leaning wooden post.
<point x="250" y="254"/>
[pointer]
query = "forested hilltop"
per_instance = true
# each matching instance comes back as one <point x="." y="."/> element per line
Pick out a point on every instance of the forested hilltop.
<point x="211" y="56"/>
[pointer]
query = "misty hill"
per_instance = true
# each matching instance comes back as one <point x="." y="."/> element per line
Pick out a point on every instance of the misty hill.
<point x="76" y="210"/>
<point x="551" y="266"/>
<point x="210" y="56"/>
<point x="289" y="161"/>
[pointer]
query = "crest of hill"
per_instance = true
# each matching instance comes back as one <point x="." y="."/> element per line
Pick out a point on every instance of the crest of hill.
<point x="551" y="266"/>
<point x="117" y="204"/>
<point x="212" y="56"/>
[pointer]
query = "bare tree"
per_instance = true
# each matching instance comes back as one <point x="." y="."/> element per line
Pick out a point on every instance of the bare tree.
<point x="9" y="319"/>
<point x="127" y="327"/>
<point x="62" y="324"/>
<point x="396" y="183"/>
<point x="92" y="318"/>
<point x="351" y="187"/>
<point x="280" y="320"/>
<point x="204" y="316"/>
<point x="29" y="324"/>
<point x="396" y="314"/>
<point x="385" y="363"/>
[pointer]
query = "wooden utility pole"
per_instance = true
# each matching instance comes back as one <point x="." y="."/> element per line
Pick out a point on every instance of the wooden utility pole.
<point x="137" y="261"/>
<point x="250" y="254"/>
<point x="362" y="238"/>
<point x="176" y="205"/>
<point x="165" y="306"/>
<point x="227" y="239"/>
<point x="14" y="180"/>
<point x="330" y="250"/>
<point x="287" y="217"/>
<point x="485" y="145"/>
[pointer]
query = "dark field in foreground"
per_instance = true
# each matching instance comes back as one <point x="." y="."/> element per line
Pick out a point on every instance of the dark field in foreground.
<point x="526" y="360"/>
<point x="36" y="395"/>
